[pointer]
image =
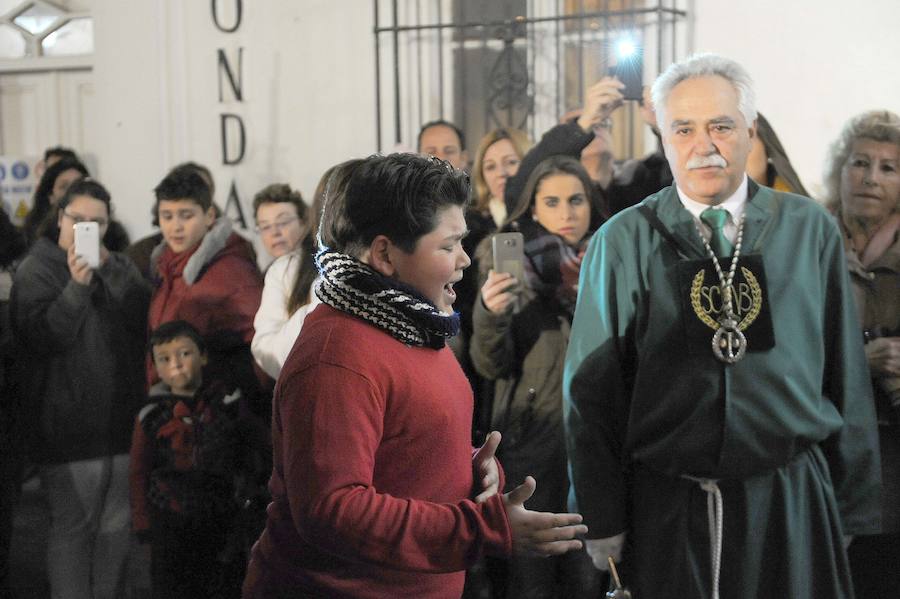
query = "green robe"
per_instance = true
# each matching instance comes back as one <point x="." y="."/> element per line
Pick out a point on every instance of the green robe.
<point x="789" y="431"/>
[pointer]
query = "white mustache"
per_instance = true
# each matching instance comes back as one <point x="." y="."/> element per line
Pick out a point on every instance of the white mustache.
<point x="704" y="161"/>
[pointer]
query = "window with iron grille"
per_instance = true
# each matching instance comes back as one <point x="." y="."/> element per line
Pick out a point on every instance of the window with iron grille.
<point x="518" y="63"/>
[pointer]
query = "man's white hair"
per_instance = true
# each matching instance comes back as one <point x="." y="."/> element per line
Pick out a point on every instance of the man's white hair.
<point x="705" y="65"/>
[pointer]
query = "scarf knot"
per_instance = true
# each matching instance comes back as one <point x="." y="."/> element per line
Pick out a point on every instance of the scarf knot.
<point x="353" y="287"/>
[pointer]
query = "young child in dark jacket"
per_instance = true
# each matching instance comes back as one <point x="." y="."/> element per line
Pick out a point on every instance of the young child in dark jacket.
<point x="198" y="463"/>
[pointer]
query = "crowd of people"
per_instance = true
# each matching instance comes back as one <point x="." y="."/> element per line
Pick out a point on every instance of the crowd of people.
<point x="694" y="375"/>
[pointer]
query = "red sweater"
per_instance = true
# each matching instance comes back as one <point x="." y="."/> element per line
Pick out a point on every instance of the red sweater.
<point x="372" y="479"/>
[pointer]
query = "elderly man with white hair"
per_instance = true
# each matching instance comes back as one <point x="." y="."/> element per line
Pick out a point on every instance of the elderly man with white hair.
<point x="720" y="422"/>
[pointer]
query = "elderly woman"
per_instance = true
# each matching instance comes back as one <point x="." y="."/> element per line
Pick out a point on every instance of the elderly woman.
<point x="288" y="296"/>
<point x="863" y="177"/>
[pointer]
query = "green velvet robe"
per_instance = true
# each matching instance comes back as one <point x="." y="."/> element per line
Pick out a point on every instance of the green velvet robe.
<point x="789" y="431"/>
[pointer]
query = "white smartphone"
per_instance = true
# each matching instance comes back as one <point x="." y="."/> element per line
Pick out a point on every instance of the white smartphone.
<point x="509" y="254"/>
<point x="87" y="242"/>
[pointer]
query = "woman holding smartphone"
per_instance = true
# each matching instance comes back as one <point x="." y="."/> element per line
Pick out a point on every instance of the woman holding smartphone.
<point x="520" y="333"/>
<point x="83" y="331"/>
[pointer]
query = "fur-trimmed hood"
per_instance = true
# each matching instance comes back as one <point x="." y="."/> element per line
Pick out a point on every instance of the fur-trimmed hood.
<point x="216" y="239"/>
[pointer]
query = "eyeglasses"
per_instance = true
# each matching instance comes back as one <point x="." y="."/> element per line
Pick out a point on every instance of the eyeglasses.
<point x="606" y="124"/>
<point x="75" y="218"/>
<point x="279" y="225"/>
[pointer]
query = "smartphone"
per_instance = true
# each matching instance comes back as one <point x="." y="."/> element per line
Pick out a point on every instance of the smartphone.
<point x="509" y="255"/>
<point x="87" y="242"/>
<point x="630" y="71"/>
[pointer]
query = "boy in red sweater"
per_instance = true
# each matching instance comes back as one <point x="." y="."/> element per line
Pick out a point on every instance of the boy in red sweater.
<point x="376" y="489"/>
<point x="205" y="276"/>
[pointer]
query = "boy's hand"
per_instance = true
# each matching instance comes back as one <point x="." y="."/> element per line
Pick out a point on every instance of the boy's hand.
<point x="486" y="469"/>
<point x="540" y="533"/>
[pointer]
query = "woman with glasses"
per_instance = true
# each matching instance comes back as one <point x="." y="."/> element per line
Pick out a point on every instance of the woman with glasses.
<point x="288" y="294"/>
<point x="862" y="178"/>
<point x="83" y="330"/>
<point x="280" y="215"/>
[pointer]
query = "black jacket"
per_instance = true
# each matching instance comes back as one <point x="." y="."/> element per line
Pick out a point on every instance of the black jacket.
<point x="84" y="348"/>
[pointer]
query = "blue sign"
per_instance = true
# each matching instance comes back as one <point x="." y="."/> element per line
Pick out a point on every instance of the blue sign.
<point x="20" y="170"/>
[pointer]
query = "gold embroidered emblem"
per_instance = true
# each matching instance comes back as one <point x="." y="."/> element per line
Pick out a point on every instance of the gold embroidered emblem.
<point x="747" y="299"/>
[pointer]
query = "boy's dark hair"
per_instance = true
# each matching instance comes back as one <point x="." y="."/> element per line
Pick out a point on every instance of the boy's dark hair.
<point x="169" y="331"/>
<point x="203" y="172"/>
<point x="441" y="123"/>
<point x="184" y="183"/>
<point x="280" y="193"/>
<point x="398" y="196"/>
<point x="61" y="151"/>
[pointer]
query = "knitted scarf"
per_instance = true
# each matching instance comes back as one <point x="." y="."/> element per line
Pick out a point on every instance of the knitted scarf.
<point x="353" y="287"/>
<point x="551" y="266"/>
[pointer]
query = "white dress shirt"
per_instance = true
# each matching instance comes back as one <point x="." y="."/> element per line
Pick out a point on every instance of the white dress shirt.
<point x="734" y="205"/>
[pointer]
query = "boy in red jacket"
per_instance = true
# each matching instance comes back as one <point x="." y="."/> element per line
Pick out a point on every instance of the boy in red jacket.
<point x="205" y="276"/>
<point x="376" y="489"/>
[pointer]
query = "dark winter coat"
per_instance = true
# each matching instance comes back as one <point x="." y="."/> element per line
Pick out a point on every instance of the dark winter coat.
<point x="84" y="349"/>
<point x="522" y="352"/>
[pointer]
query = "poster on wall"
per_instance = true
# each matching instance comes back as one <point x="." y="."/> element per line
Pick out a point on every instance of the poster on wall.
<point x="17" y="183"/>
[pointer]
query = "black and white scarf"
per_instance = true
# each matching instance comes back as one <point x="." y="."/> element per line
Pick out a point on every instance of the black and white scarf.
<point x="351" y="286"/>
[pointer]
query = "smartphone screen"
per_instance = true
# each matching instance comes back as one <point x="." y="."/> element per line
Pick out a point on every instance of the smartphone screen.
<point x="87" y="242"/>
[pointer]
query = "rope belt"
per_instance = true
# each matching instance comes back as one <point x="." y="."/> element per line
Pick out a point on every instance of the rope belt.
<point x="715" y="510"/>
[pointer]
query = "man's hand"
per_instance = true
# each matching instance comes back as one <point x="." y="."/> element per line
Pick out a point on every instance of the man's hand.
<point x="498" y="291"/>
<point x="540" y="533"/>
<point x="883" y="355"/>
<point x="600" y="549"/>
<point x="486" y="470"/>
<point x="600" y="100"/>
